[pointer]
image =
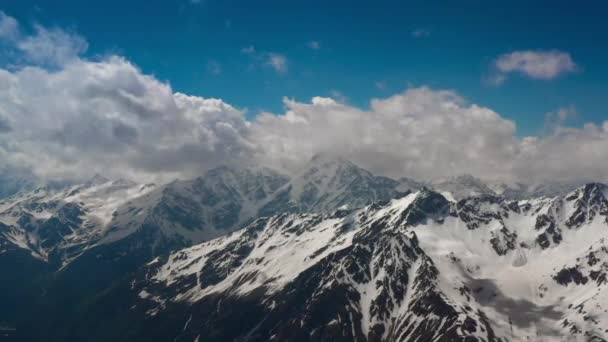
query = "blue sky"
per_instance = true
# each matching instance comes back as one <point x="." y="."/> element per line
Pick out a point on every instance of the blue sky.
<point x="362" y="49"/>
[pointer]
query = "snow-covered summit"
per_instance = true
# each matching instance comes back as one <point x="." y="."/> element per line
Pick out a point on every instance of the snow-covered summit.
<point x="462" y="186"/>
<point x="416" y="267"/>
<point x="327" y="183"/>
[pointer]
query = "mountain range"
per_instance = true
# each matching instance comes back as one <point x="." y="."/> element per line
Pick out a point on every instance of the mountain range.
<point x="332" y="253"/>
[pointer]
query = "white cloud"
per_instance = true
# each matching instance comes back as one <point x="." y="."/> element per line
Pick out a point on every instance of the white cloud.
<point x="557" y="119"/>
<point x="494" y="79"/>
<point x="5" y="126"/>
<point x="52" y="47"/>
<point x="540" y="65"/>
<point x="9" y="27"/>
<point x="380" y="85"/>
<point x="420" y="133"/>
<point x="567" y="154"/>
<point x="313" y="44"/>
<point x="421" y="33"/>
<point x="335" y="95"/>
<point x="248" y="50"/>
<point x="428" y="134"/>
<point x="107" y="116"/>
<point x="214" y="67"/>
<point x="45" y="47"/>
<point x="278" y="62"/>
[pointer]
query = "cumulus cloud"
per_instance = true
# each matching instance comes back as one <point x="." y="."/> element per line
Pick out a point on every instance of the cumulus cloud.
<point x="9" y="27"/>
<point x="52" y="47"/>
<point x="568" y="154"/>
<point x="108" y="116"/>
<point x="5" y="127"/>
<point x="314" y="45"/>
<point x="421" y="133"/>
<point x="49" y="47"/>
<point x="540" y="65"/>
<point x="248" y="50"/>
<point x="421" y="33"/>
<point x="214" y="67"/>
<point x="381" y="85"/>
<point x="557" y="119"/>
<point x="338" y="96"/>
<point x="429" y="134"/>
<point x="278" y="62"/>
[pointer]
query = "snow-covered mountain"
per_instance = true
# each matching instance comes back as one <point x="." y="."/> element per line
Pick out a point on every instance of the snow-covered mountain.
<point x="44" y="230"/>
<point x="59" y="224"/>
<point x="200" y="209"/>
<point x="328" y="183"/>
<point x="462" y="186"/>
<point x="333" y="253"/>
<point x="416" y="268"/>
<point x="84" y="237"/>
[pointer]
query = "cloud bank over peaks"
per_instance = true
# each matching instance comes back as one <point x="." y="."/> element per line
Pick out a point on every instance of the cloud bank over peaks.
<point x="421" y="133"/>
<point x="80" y="116"/>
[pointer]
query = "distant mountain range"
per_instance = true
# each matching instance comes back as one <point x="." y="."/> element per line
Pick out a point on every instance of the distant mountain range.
<point x="332" y="253"/>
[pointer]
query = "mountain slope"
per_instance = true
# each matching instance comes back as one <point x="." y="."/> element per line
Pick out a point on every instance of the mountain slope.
<point x="332" y="254"/>
<point x="94" y="234"/>
<point x="200" y="209"/>
<point x="327" y="183"/>
<point x="460" y="187"/>
<point x="57" y="225"/>
<point x="303" y="277"/>
<point x="22" y="276"/>
<point x="419" y="266"/>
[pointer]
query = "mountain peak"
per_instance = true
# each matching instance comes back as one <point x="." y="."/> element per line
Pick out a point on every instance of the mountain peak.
<point x="327" y="159"/>
<point x="97" y="179"/>
<point x="462" y="186"/>
<point x="595" y="186"/>
<point x="324" y="168"/>
<point x="465" y="178"/>
<point x="239" y="170"/>
<point x="589" y="191"/>
<point x="329" y="182"/>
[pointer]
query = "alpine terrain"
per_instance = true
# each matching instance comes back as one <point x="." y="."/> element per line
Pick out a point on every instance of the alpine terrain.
<point x="333" y="253"/>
